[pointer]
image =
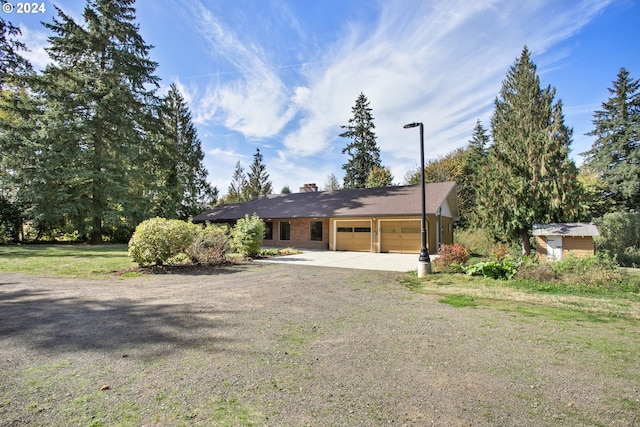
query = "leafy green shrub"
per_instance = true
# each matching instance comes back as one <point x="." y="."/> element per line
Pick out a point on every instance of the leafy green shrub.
<point x="476" y="240"/>
<point x="451" y="258"/>
<point x="494" y="269"/>
<point x="591" y="274"/>
<point x="210" y="245"/>
<point x="247" y="234"/>
<point x="156" y="240"/>
<point x="629" y="258"/>
<point x="620" y="235"/>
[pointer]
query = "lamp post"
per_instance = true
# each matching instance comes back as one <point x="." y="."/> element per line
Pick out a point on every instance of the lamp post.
<point x="424" y="263"/>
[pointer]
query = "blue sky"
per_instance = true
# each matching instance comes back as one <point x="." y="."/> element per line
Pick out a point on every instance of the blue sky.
<point x="283" y="75"/>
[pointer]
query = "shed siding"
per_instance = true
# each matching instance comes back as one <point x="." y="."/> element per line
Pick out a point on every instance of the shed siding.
<point x="580" y="247"/>
<point x="577" y="246"/>
<point x="541" y="247"/>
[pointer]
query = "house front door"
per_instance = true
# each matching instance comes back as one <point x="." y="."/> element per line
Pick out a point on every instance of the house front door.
<point x="554" y="248"/>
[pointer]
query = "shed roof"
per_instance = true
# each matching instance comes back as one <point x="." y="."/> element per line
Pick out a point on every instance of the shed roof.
<point x="566" y="229"/>
<point x="382" y="201"/>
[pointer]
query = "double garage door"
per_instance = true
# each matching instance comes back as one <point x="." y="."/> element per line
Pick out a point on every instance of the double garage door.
<point x="395" y="236"/>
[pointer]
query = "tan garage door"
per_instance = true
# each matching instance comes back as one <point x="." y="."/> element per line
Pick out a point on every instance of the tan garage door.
<point x="353" y="236"/>
<point x="400" y="236"/>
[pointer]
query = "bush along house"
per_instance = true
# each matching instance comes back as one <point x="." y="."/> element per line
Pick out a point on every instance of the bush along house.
<point x="384" y="219"/>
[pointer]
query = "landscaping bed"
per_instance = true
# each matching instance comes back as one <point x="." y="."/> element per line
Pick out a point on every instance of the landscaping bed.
<point x="282" y="345"/>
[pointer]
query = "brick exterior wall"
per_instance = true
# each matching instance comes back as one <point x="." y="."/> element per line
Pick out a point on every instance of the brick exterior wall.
<point x="300" y="234"/>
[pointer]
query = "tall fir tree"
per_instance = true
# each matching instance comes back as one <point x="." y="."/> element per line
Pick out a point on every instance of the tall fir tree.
<point x="475" y="159"/>
<point x="363" y="150"/>
<point x="615" y="154"/>
<point x="100" y="103"/>
<point x="258" y="183"/>
<point x="18" y="125"/>
<point x="184" y="190"/>
<point x="237" y="191"/>
<point x="529" y="177"/>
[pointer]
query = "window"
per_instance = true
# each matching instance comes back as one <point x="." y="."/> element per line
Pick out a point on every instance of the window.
<point x="285" y="230"/>
<point x="316" y="231"/>
<point x="345" y="230"/>
<point x="268" y="231"/>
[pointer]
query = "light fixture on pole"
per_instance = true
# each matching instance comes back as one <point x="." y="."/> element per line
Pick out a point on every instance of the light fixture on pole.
<point x="424" y="263"/>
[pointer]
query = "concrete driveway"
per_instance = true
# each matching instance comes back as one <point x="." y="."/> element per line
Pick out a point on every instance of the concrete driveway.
<point x="357" y="260"/>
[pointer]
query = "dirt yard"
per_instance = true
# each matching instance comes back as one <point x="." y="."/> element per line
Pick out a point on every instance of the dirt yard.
<point x="282" y="345"/>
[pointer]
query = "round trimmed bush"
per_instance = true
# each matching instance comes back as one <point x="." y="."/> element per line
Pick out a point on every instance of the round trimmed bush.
<point x="156" y="240"/>
<point x="247" y="235"/>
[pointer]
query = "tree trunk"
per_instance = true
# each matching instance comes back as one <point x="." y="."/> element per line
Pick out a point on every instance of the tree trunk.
<point x="526" y="244"/>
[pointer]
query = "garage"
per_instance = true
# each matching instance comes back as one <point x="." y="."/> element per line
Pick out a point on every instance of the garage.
<point x="400" y="236"/>
<point x="353" y="236"/>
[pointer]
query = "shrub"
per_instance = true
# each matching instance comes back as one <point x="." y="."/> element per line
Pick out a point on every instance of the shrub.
<point x="494" y="269"/>
<point x="210" y="245"/>
<point x="620" y="235"/>
<point x="499" y="252"/>
<point x="452" y="257"/>
<point x="476" y="240"/>
<point x="590" y="274"/>
<point x="247" y="234"/>
<point x="156" y="240"/>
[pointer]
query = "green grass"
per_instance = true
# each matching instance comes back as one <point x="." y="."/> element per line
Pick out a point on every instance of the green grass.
<point x="456" y="300"/>
<point x="64" y="260"/>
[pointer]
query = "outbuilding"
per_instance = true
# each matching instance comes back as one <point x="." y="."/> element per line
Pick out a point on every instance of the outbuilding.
<point x="559" y="240"/>
<point x="384" y="219"/>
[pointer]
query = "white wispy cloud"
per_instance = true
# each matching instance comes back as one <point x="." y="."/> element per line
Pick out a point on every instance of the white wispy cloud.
<point x="36" y="41"/>
<point x="441" y="63"/>
<point x="257" y="102"/>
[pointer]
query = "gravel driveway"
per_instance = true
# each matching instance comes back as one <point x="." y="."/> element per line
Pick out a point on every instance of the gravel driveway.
<point x="283" y="345"/>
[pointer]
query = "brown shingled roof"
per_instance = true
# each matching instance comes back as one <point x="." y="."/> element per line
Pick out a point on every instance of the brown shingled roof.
<point x="382" y="201"/>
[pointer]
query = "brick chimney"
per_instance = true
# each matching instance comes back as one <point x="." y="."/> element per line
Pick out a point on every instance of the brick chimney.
<point x="309" y="188"/>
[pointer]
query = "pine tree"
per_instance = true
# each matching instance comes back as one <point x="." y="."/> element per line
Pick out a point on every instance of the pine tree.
<point x="363" y="150"/>
<point x="184" y="187"/>
<point x="100" y="104"/>
<point x="529" y="177"/>
<point x="237" y="191"/>
<point x="258" y="183"/>
<point x="19" y="117"/>
<point x="332" y="183"/>
<point x="475" y="159"/>
<point x="615" y="154"/>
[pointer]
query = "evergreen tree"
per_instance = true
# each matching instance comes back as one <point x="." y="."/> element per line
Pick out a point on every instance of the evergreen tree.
<point x="237" y="192"/>
<point x="19" y="116"/>
<point x="475" y="160"/>
<point x="258" y="183"/>
<point x="529" y="177"/>
<point x="285" y="190"/>
<point x="363" y="150"/>
<point x="100" y="103"/>
<point x="184" y="190"/>
<point x="332" y="183"/>
<point x="615" y="154"/>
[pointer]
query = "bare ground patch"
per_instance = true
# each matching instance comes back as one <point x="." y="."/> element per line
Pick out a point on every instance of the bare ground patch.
<point x="285" y="345"/>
